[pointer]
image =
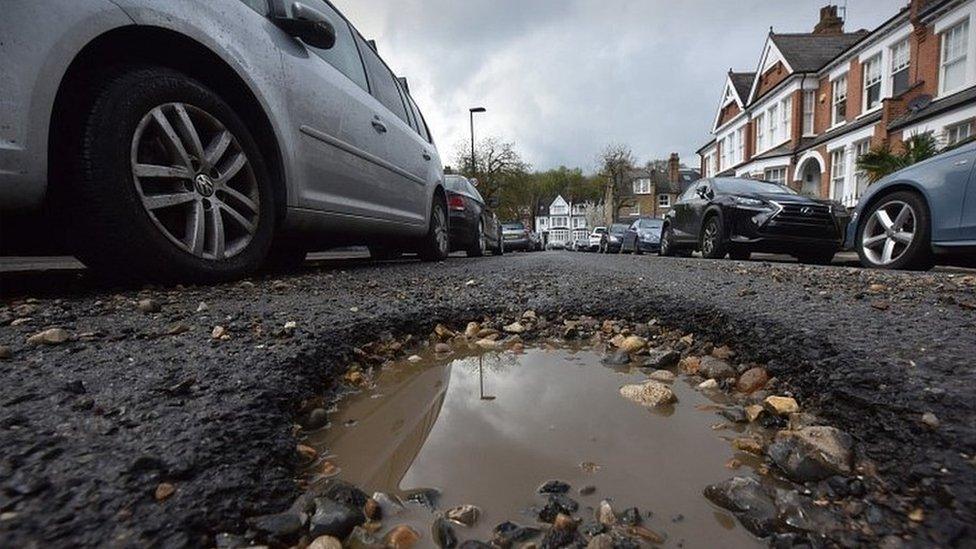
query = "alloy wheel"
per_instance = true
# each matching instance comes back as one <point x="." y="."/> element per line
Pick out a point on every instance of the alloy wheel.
<point x="195" y="181"/>
<point x="482" y="239"/>
<point x="708" y="240"/>
<point x="440" y="231"/>
<point x="665" y="243"/>
<point x="889" y="232"/>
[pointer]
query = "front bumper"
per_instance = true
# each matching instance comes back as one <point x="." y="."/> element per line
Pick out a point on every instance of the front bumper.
<point x="648" y="245"/>
<point x="516" y="243"/>
<point x="787" y="230"/>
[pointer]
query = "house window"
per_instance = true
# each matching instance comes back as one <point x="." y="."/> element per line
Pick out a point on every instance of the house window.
<point x="561" y="235"/>
<point x="559" y="210"/>
<point x="809" y="101"/>
<point x="642" y="186"/>
<point x="664" y="201"/>
<point x="740" y="145"/>
<point x="579" y="222"/>
<point x="543" y="221"/>
<point x="860" y="176"/>
<point x="760" y="133"/>
<point x="872" y="82"/>
<point x="773" y="121"/>
<point x="900" y="61"/>
<point x="959" y="132"/>
<point x="839" y="102"/>
<point x="838" y="172"/>
<point x="955" y="41"/>
<point x="560" y="222"/>
<point x="775" y="175"/>
<point x="785" y="115"/>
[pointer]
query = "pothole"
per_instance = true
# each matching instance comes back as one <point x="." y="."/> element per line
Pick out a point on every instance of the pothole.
<point x="489" y="428"/>
<point x="570" y="432"/>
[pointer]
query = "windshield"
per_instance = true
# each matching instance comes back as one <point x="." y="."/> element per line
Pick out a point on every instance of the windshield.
<point x="513" y="227"/>
<point x="651" y="223"/>
<point x="618" y="228"/>
<point x="456" y="183"/>
<point x="599" y="230"/>
<point x="746" y="186"/>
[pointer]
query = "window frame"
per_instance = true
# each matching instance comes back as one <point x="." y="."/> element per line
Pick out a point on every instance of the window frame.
<point x="363" y="44"/>
<point x="760" y="126"/>
<point x="877" y="79"/>
<point x="838" y="84"/>
<point x="780" y="170"/>
<point x="970" y="123"/>
<point x="896" y="69"/>
<point x="642" y="185"/>
<point x="663" y="200"/>
<point x="809" y="111"/>
<point x="962" y="59"/>
<point x="740" y="145"/>
<point x="836" y="177"/>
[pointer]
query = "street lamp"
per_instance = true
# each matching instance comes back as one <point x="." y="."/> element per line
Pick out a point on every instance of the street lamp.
<point x="471" y="112"/>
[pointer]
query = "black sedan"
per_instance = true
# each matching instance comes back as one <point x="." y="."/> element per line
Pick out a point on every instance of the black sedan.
<point x="473" y="226"/>
<point x="735" y="217"/>
<point x="612" y="239"/>
<point x="643" y="235"/>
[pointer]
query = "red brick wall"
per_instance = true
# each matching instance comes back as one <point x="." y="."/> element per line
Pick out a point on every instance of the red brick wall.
<point x="821" y="116"/>
<point x="855" y="89"/>
<point x="728" y="113"/>
<point x="796" y="117"/>
<point x="769" y="79"/>
<point x="924" y="46"/>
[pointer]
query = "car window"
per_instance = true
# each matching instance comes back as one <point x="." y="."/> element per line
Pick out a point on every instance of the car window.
<point x="455" y="183"/>
<point x="635" y="225"/>
<point x="618" y="228"/>
<point x="513" y="226"/>
<point x="421" y="123"/>
<point x="739" y="186"/>
<point x="384" y="85"/>
<point x="474" y="192"/>
<point x="651" y="223"/>
<point x="689" y="193"/>
<point x="344" y="55"/>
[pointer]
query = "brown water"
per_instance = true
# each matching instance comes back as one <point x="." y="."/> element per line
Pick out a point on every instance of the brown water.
<point x="488" y="429"/>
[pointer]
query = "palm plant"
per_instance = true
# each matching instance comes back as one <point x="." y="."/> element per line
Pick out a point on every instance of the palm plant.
<point x="881" y="160"/>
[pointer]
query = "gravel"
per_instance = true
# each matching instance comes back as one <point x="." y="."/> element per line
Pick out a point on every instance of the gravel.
<point x="136" y="396"/>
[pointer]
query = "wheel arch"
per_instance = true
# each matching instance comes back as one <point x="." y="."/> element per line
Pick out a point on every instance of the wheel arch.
<point x="135" y="44"/>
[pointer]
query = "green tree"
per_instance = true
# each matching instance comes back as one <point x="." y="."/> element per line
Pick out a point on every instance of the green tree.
<point x="881" y="160"/>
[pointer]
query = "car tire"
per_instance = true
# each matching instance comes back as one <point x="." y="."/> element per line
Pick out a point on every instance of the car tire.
<point x="149" y="198"/>
<point x="480" y="245"/>
<point x="667" y="243"/>
<point x="712" y="241"/>
<point x="740" y="254"/>
<point x="436" y="243"/>
<point x="917" y="254"/>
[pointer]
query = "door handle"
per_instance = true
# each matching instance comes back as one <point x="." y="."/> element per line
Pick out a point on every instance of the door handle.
<point x="427" y="156"/>
<point x="379" y="126"/>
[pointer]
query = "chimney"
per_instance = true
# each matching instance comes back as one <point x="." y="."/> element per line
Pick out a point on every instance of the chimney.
<point x="673" y="165"/>
<point x="917" y="7"/>
<point x="829" y="23"/>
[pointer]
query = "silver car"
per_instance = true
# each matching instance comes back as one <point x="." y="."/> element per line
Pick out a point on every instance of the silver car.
<point x="202" y="138"/>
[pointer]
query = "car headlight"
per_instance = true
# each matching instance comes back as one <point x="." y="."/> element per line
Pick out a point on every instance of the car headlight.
<point x="614" y="239"/>
<point x="650" y="235"/>
<point x="748" y="203"/>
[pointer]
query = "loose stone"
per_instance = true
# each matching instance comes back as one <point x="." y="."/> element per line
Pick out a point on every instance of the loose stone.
<point x="650" y="394"/>
<point x="443" y="533"/>
<point x="715" y="368"/>
<point x="812" y="453"/>
<point x="781" y="406"/>
<point x="664" y="376"/>
<point x="402" y="537"/>
<point x="661" y="358"/>
<point x="51" y="336"/>
<point x="752" y="380"/>
<point x="465" y="515"/>
<point x="325" y="542"/>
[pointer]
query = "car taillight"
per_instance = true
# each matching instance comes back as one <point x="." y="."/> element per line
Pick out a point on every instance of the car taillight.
<point x="456" y="203"/>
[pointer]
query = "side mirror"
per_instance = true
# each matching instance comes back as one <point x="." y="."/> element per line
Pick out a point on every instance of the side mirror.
<point x="305" y="23"/>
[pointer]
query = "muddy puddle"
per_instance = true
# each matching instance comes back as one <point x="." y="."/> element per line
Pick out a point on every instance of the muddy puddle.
<point x="488" y="429"/>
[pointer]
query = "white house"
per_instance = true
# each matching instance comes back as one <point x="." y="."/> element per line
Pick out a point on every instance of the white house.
<point x="557" y="226"/>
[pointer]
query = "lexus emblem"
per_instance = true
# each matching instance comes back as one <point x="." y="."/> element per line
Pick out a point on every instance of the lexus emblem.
<point x="806" y="210"/>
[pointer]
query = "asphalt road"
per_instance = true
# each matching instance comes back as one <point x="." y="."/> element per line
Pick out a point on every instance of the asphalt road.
<point x="90" y="427"/>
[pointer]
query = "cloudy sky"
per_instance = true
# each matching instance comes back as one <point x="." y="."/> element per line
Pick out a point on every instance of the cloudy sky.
<point x="563" y="78"/>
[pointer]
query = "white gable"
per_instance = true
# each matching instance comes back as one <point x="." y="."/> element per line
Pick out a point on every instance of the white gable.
<point x="771" y="55"/>
<point x="559" y="205"/>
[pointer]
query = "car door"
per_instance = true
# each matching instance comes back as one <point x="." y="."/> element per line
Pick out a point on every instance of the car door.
<point x="684" y="211"/>
<point x="404" y="193"/>
<point x="331" y="106"/>
<point x="630" y="237"/>
<point x="960" y="170"/>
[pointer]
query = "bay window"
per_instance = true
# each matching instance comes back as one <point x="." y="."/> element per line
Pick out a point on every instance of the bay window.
<point x="872" y="83"/>
<point x="955" y="42"/>
<point x="900" y="61"/>
<point x="839" y="100"/>
<point x="776" y="175"/>
<point x="838" y="172"/>
<point x="809" y="101"/>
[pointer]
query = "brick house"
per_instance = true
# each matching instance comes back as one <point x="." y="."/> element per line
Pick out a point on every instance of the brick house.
<point x="650" y="193"/>
<point x="819" y="100"/>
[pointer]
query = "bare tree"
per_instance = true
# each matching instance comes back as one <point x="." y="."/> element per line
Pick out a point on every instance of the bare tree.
<point x="595" y="214"/>
<point x="616" y="162"/>
<point x="495" y="162"/>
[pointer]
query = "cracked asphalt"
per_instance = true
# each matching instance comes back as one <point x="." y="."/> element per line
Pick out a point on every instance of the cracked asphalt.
<point x="91" y="427"/>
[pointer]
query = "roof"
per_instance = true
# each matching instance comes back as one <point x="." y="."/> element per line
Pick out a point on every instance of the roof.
<point x="962" y="98"/>
<point x="742" y="81"/>
<point x="808" y="52"/>
<point x="837" y="132"/>
<point x="783" y="150"/>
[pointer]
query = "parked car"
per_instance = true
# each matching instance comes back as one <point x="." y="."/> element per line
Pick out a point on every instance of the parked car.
<point x="595" y="237"/>
<point x="535" y="241"/>
<point x="473" y="226"/>
<point x="611" y="240"/>
<point x="516" y="236"/>
<point x="735" y="217"/>
<point x="643" y="235"/>
<point x="907" y="218"/>
<point x="581" y="244"/>
<point x="201" y="139"/>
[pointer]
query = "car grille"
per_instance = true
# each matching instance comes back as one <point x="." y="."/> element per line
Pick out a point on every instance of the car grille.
<point x="809" y="220"/>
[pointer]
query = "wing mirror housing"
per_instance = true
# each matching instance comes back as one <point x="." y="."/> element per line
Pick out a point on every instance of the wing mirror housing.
<point x="305" y="23"/>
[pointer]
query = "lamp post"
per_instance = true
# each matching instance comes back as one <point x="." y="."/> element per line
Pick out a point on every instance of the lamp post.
<point x="471" y="112"/>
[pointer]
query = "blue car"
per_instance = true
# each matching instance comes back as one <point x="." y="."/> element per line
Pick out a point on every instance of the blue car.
<point x="907" y="218"/>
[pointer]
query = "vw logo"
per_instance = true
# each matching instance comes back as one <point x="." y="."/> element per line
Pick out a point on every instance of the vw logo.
<point x="806" y="210"/>
<point x="204" y="185"/>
